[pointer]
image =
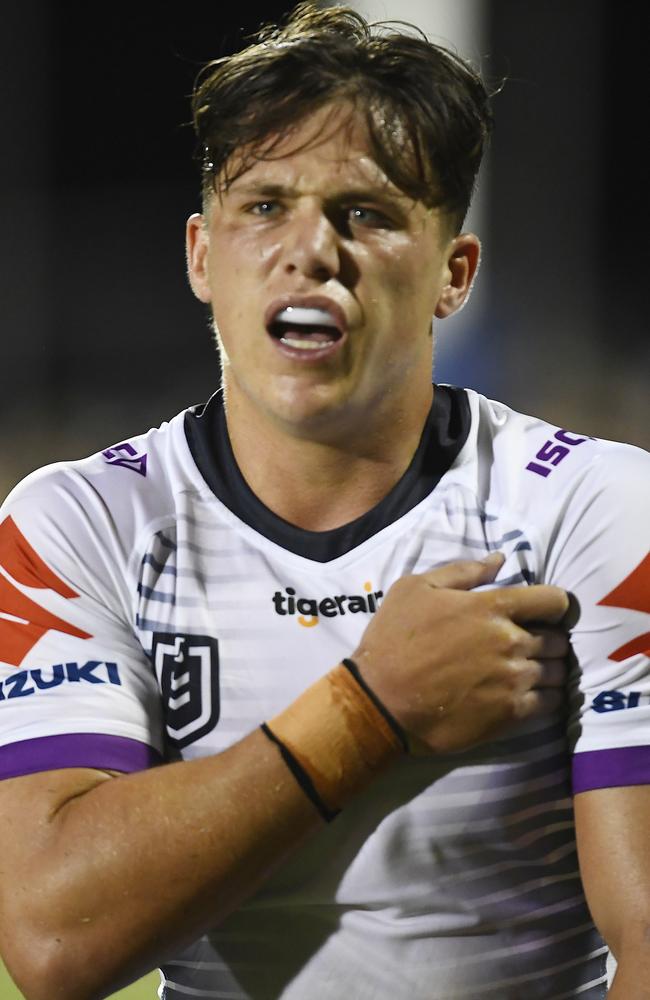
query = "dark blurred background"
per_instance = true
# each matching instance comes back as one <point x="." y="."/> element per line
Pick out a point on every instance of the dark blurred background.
<point x="101" y="337"/>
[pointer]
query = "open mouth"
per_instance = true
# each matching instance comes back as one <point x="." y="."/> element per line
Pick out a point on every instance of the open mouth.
<point x="305" y="328"/>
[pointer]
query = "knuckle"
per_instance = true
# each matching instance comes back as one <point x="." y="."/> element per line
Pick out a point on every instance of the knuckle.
<point x="437" y="578"/>
<point x="501" y="600"/>
<point x="524" y="707"/>
<point x="534" y="645"/>
<point x="508" y="636"/>
<point x="552" y="642"/>
<point x="522" y="675"/>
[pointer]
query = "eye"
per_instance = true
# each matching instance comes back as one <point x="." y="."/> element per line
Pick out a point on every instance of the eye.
<point x="266" y="209"/>
<point x="370" y="218"/>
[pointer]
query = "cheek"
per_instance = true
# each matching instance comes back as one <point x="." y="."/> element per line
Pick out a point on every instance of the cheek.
<point x="265" y="254"/>
<point x="406" y="266"/>
<point x="246" y="249"/>
<point x="229" y="315"/>
<point x="239" y="269"/>
<point x="238" y="312"/>
<point x="411" y="291"/>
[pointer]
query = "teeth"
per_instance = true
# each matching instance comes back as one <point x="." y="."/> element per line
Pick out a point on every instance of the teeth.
<point x="308" y="316"/>
<point x="304" y="345"/>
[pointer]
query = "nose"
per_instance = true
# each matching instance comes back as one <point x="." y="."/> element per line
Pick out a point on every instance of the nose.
<point x="312" y="247"/>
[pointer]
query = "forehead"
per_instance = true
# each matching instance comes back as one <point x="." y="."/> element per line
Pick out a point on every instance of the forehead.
<point x="333" y="145"/>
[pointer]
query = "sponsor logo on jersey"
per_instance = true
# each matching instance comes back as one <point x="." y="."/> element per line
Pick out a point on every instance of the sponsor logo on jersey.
<point x="554" y="451"/>
<point x="308" y="610"/>
<point x="632" y="593"/>
<point x="22" y="621"/>
<point x="127" y="457"/>
<point x="26" y="682"/>
<point x="187" y="669"/>
<point x="614" y="701"/>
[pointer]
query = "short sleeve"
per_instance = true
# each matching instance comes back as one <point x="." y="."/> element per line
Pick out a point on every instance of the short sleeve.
<point x="601" y="554"/>
<point x="76" y="688"/>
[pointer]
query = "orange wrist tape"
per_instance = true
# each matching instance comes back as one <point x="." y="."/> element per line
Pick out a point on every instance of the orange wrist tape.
<point x="337" y="737"/>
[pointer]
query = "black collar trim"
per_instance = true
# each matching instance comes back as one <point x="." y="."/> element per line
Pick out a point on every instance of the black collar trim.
<point x="444" y="434"/>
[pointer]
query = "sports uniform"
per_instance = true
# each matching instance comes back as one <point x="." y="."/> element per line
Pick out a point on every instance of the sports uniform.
<point x="153" y="609"/>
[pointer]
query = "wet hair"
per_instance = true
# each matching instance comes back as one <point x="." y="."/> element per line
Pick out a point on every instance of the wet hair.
<point x="426" y="110"/>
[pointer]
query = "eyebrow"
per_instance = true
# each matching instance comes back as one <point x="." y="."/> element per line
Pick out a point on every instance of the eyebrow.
<point x="262" y="188"/>
<point x="373" y="192"/>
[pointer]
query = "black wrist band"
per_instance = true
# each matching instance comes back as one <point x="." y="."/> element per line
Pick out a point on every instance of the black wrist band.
<point x="301" y="776"/>
<point x="392" y="722"/>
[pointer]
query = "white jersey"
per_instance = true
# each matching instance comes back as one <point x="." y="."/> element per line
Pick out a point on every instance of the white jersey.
<point x="151" y="608"/>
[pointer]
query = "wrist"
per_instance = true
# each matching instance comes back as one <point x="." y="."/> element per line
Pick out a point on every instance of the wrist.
<point x="338" y="737"/>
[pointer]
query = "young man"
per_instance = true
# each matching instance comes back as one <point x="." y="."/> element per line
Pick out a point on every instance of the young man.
<point x="332" y="602"/>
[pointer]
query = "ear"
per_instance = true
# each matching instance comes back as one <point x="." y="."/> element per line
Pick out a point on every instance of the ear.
<point x="197" y="244"/>
<point x="462" y="265"/>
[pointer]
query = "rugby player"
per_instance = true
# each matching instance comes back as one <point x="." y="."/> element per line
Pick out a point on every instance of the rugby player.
<point x="284" y="700"/>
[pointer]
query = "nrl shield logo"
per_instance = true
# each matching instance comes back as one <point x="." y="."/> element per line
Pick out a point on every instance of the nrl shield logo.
<point x="187" y="668"/>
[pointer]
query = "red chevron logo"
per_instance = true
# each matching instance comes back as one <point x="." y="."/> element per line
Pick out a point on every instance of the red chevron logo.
<point x="22" y="621"/>
<point x="632" y="593"/>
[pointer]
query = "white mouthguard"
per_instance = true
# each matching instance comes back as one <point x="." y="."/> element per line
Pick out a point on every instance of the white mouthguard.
<point x="307" y="316"/>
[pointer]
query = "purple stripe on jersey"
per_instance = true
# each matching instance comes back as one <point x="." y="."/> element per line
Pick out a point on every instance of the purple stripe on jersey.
<point x="616" y="767"/>
<point x="47" y="753"/>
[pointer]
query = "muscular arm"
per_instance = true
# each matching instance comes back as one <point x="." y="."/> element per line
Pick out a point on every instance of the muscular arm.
<point x="613" y="831"/>
<point x="116" y="872"/>
<point x="102" y="877"/>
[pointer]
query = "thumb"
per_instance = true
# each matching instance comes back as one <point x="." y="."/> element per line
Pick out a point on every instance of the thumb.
<point x="465" y="574"/>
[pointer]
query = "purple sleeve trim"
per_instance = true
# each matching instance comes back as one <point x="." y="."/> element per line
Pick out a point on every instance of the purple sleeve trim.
<point x="616" y="767"/>
<point x="47" y="753"/>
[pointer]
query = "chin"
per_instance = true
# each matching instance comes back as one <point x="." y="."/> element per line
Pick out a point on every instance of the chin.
<point x="309" y="410"/>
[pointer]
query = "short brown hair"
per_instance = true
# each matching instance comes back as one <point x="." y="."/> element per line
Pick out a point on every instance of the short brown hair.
<point x="426" y="110"/>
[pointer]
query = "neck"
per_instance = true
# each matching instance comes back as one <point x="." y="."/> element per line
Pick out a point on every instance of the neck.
<point x="320" y="484"/>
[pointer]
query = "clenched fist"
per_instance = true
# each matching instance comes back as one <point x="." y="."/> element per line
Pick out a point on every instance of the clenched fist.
<point x="454" y="666"/>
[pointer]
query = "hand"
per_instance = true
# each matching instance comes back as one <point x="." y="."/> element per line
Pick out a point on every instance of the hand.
<point x="455" y="667"/>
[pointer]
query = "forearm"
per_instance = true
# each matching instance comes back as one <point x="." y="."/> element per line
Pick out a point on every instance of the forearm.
<point x="632" y="977"/>
<point x="145" y="863"/>
<point x="140" y="865"/>
<point x="611" y="829"/>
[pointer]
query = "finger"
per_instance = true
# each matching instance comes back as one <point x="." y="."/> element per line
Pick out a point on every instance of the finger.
<point x="539" y="603"/>
<point x="572" y="616"/>
<point x="533" y="675"/>
<point x="545" y="644"/>
<point x="540" y="701"/>
<point x="544" y="673"/>
<point x="465" y="574"/>
<point x="554" y="674"/>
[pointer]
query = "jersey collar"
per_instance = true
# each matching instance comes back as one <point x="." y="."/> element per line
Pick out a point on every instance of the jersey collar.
<point x="445" y="432"/>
